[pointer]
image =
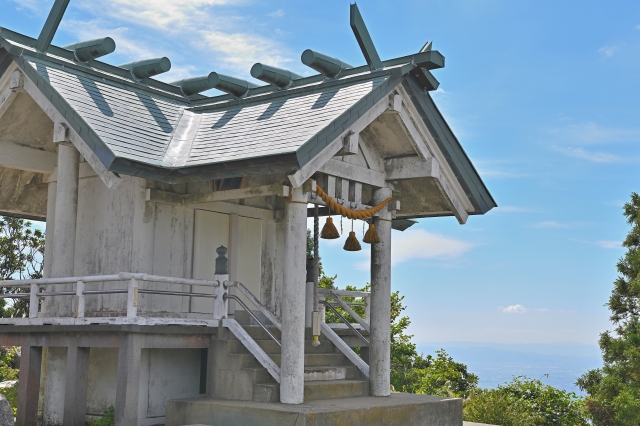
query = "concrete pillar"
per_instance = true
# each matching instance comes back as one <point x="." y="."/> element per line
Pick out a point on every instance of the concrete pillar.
<point x="128" y="387"/>
<point x="29" y="385"/>
<point x="64" y="241"/>
<point x="380" y="349"/>
<point x="51" y="215"/>
<point x="293" y="299"/>
<point x="75" y="392"/>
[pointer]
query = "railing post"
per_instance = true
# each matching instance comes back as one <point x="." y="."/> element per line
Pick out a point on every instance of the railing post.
<point x="221" y="275"/>
<point x="33" y="301"/>
<point x="367" y="309"/>
<point x="132" y="299"/>
<point x="78" y="300"/>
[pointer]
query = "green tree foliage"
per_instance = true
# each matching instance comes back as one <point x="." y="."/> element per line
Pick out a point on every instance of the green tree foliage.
<point x="614" y="390"/>
<point x="525" y="402"/>
<point x="415" y="373"/>
<point x="21" y="254"/>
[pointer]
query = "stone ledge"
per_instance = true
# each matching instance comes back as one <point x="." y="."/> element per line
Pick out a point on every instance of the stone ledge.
<point x="397" y="410"/>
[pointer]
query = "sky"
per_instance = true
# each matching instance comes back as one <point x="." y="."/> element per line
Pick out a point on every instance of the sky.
<point x="543" y="96"/>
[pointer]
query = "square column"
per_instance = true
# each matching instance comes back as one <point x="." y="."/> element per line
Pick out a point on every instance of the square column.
<point x="29" y="385"/>
<point x="75" y="392"/>
<point x="293" y="299"/>
<point x="128" y="386"/>
<point x="380" y="347"/>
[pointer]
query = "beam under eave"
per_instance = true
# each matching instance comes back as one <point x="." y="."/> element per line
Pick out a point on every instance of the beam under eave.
<point x="14" y="156"/>
<point x="414" y="168"/>
<point x="354" y="173"/>
<point x="210" y="197"/>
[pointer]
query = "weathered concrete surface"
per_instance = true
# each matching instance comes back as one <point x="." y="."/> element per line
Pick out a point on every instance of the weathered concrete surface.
<point x="398" y="409"/>
<point x="380" y="349"/>
<point x="23" y="194"/>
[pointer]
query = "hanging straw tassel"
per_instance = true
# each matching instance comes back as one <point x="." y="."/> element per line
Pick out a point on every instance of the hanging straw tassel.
<point x="371" y="237"/>
<point x="329" y="231"/>
<point x="352" y="243"/>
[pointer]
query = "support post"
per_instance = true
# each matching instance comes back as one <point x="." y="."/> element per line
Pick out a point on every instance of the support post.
<point x="79" y="300"/>
<point x="29" y="385"/>
<point x="51" y="215"/>
<point x="128" y="386"/>
<point x="380" y="349"/>
<point x="75" y="392"/>
<point x="234" y="256"/>
<point x="132" y="299"/>
<point x="293" y="299"/>
<point x="64" y="241"/>
<point x="33" y="301"/>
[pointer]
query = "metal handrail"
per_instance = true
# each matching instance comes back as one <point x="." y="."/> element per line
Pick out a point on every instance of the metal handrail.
<point x="266" y="312"/>
<point x="246" y="308"/>
<point x="346" y="322"/>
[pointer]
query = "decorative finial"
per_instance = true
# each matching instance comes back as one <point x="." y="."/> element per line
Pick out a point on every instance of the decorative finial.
<point x="222" y="263"/>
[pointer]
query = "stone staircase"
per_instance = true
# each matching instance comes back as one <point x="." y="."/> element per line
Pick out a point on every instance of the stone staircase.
<point x="328" y="373"/>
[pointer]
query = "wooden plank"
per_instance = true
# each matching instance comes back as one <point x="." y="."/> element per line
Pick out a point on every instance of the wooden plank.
<point x="156" y="195"/>
<point x="355" y="173"/>
<point x="15" y="156"/>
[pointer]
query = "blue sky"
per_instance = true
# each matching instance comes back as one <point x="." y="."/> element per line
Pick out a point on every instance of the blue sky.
<point x="542" y="95"/>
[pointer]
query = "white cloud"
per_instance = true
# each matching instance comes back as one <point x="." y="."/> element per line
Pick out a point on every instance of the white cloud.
<point x="157" y="13"/>
<point x="514" y="309"/>
<point x="125" y="45"/>
<point x="593" y="133"/>
<point x="410" y="245"/>
<point x="37" y="6"/>
<point x="608" y="51"/>
<point x="421" y="244"/>
<point x="232" y="43"/>
<point x="609" y="244"/>
<point x="277" y="14"/>
<point x="594" y="157"/>
<point x="549" y="224"/>
<point x="240" y="51"/>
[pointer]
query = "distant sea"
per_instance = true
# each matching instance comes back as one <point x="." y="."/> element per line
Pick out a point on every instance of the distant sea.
<point x="497" y="363"/>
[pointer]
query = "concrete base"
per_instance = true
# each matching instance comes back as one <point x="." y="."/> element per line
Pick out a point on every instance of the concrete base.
<point x="398" y="409"/>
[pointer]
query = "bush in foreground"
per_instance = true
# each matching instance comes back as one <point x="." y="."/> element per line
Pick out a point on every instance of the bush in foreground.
<point x="525" y="402"/>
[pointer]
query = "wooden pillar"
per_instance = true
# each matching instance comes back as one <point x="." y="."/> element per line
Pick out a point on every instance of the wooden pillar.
<point x="64" y="239"/>
<point x="128" y="386"/>
<point x="380" y="341"/>
<point x="75" y="393"/>
<point x="293" y="299"/>
<point x="29" y="385"/>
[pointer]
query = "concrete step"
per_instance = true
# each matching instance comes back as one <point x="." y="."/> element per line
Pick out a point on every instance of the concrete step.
<point x="271" y="347"/>
<point x="315" y="390"/>
<point x="331" y="373"/>
<point x="318" y="360"/>
<point x="260" y="374"/>
<point x="335" y="389"/>
<point x="257" y="333"/>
